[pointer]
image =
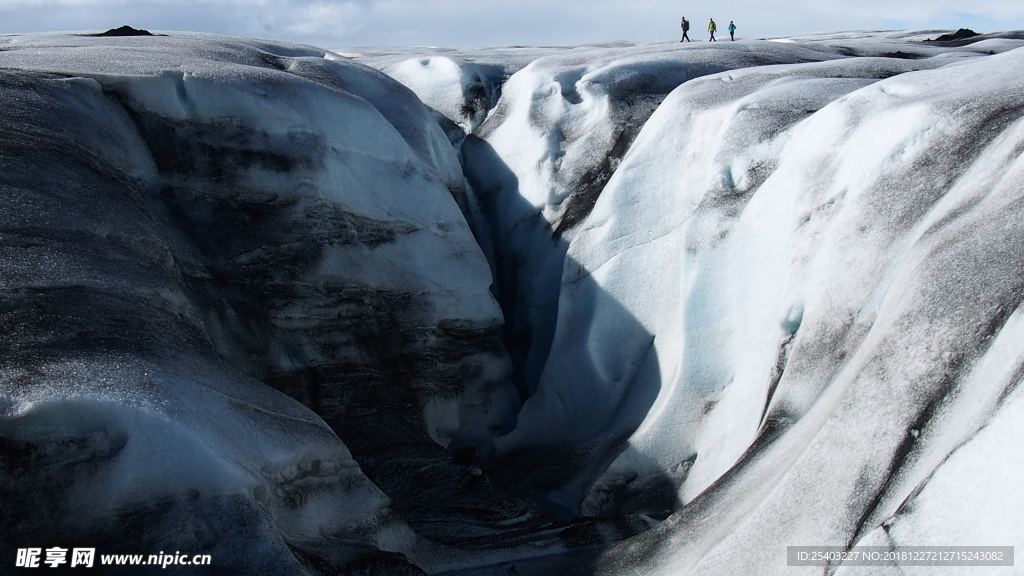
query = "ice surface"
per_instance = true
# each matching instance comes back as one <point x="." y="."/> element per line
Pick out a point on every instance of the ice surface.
<point x="189" y="219"/>
<point x="546" y="152"/>
<point x="968" y="494"/>
<point x="752" y="295"/>
<point x="788" y="263"/>
<point x="759" y="303"/>
<point x="777" y="301"/>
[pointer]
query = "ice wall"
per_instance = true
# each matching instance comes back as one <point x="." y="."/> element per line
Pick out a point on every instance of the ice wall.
<point x="187" y="218"/>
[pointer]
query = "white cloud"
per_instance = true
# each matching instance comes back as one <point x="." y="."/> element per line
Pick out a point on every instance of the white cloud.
<point x="324" y="19"/>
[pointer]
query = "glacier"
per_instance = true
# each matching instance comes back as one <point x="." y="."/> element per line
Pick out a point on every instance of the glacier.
<point x="610" y="309"/>
<point x="190" y="223"/>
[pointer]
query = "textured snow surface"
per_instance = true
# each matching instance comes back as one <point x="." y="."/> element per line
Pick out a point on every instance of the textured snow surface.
<point x="617" y="309"/>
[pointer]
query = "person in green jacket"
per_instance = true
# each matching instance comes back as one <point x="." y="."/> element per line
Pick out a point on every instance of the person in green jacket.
<point x="732" y="30"/>
<point x="712" y="28"/>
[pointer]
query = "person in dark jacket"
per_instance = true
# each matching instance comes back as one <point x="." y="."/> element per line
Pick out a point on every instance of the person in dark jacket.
<point x="685" y="25"/>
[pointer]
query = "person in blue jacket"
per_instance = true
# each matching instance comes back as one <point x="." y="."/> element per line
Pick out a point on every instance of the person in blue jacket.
<point x="732" y="30"/>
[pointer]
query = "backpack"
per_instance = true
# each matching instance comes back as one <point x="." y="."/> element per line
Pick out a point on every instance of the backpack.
<point x="686" y="25"/>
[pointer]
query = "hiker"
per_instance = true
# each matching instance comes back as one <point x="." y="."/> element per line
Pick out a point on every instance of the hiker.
<point x="712" y="28"/>
<point x="685" y="25"/>
<point x="732" y="30"/>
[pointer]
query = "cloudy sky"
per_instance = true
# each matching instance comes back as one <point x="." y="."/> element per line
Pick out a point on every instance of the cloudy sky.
<point x="341" y="23"/>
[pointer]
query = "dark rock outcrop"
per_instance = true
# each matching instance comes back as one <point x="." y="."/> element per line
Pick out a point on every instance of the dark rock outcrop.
<point x="124" y="31"/>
